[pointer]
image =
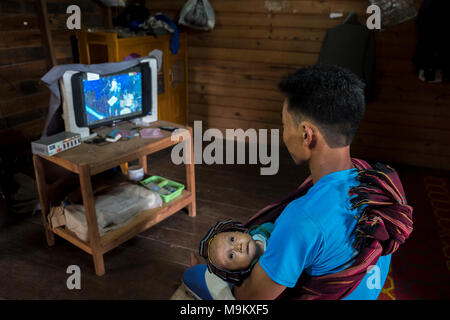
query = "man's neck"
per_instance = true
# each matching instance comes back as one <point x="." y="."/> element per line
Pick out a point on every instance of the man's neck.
<point x="328" y="161"/>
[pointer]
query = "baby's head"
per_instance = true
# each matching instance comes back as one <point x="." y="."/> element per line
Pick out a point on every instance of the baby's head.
<point x="230" y="251"/>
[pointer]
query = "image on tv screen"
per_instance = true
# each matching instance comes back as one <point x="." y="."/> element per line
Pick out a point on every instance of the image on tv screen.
<point x="112" y="97"/>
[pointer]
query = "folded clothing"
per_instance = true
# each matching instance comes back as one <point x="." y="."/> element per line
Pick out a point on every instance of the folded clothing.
<point x="150" y="133"/>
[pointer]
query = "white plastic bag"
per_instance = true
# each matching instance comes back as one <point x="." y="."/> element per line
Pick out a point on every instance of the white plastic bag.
<point x="113" y="209"/>
<point x="394" y="12"/>
<point x="197" y="14"/>
<point x="114" y="3"/>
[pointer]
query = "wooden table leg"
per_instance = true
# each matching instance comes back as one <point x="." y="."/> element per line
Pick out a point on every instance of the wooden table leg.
<point x="143" y="163"/>
<point x="43" y="197"/>
<point x="190" y="175"/>
<point x="124" y="167"/>
<point x="91" y="218"/>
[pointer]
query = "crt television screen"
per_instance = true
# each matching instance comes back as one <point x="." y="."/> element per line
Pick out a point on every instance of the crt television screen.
<point x="100" y="100"/>
<point x="112" y="96"/>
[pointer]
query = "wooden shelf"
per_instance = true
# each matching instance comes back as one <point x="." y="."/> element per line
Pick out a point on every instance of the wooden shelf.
<point x="72" y="238"/>
<point x="102" y="158"/>
<point x="141" y="222"/>
<point x="88" y="160"/>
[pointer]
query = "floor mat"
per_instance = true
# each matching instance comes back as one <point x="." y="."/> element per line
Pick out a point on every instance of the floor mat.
<point x="421" y="267"/>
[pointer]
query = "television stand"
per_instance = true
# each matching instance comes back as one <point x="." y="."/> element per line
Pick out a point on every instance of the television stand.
<point x="87" y="160"/>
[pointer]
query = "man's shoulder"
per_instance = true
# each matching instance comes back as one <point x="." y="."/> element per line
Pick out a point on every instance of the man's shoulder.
<point x="321" y="203"/>
<point x="332" y="188"/>
<point x="327" y="195"/>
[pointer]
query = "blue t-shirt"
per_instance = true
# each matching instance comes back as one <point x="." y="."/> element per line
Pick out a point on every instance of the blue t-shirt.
<point x="315" y="233"/>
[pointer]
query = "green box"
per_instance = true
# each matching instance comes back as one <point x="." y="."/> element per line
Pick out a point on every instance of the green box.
<point x="161" y="185"/>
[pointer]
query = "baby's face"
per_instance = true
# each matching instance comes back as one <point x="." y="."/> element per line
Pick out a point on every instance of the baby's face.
<point x="232" y="250"/>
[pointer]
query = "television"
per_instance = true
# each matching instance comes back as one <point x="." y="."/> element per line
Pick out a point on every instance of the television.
<point x="93" y="100"/>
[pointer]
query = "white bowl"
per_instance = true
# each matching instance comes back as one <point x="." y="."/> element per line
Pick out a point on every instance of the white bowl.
<point x="135" y="173"/>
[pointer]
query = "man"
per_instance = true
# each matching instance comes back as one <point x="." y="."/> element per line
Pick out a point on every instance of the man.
<point x="314" y="233"/>
<point x="333" y="236"/>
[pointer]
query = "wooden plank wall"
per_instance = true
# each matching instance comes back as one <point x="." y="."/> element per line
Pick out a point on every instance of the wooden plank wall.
<point x="234" y="70"/>
<point x="23" y="58"/>
<point x="92" y="16"/>
<point x="23" y="101"/>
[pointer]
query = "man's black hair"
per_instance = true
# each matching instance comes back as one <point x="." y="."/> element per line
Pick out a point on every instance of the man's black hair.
<point x="329" y="96"/>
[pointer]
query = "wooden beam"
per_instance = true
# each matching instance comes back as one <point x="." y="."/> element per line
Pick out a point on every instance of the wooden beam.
<point x="46" y="35"/>
<point x="109" y="20"/>
<point x="107" y="14"/>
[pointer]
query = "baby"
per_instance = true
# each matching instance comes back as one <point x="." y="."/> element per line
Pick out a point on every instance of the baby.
<point x="231" y="250"/>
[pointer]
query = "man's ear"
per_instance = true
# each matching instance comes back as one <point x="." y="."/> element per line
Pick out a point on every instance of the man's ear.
<point x="307" y="134"/>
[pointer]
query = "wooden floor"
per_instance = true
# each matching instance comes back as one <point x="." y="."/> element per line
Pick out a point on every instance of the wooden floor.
<point x="150" y="265"/>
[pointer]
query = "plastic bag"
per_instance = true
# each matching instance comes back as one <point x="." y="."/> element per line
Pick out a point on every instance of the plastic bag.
<point x="395" y="11"/>
<point x="198" y="14"/>
<point x="113" y="209"/>
<point x="114" y="3"/>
